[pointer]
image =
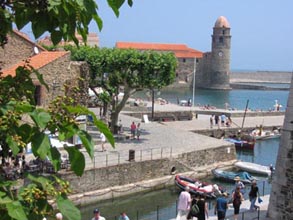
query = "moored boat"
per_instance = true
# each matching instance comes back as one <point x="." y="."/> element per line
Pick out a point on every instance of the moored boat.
<point x="242" y="143"/>
<point x="198" y="187"/>
<point x="253" y="168"/>
<point x="229" y="176"/>
<point x="260" y="134"/>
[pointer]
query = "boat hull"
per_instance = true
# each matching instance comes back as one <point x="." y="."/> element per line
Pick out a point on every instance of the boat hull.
<point x="229" y="176"/>
<point x="253" y="168"/>
<point x="197" y="187"/>
<point x="241" y="144"/>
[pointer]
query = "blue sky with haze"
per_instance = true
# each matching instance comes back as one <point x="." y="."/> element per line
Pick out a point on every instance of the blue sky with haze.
<point x="262" y="30"/>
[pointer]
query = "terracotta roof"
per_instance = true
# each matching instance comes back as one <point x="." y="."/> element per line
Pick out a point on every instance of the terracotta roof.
<point x="37" y="61"/>
<point x="92" y="40"/>
<point x="180" y="50"/>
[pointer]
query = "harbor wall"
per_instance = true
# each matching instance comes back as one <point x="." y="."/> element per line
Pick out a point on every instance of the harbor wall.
<point x="134" y="172"/>
<point x="261" y="77"/>
<point x="191" y="114"/>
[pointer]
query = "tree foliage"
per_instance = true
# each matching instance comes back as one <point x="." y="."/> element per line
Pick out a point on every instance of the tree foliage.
<point x="62" y="18"/>
<point x="129" y="69"/>
<point x="22" y="123"/>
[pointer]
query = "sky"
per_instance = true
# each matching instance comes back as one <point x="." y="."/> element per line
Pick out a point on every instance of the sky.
<point x="261" y="30"/>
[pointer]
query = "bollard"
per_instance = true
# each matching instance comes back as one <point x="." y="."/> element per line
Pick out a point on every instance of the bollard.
<point x="131" y="155"/>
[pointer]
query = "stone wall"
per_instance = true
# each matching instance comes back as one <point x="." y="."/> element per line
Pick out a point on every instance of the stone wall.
<point x="261" y="76"/>
<point x="63" y="71"/>
<point x="17" y="49"/>
<point x="185" y="69"/>
<point x="132" y="172"/>
<point x="281" y="198"/>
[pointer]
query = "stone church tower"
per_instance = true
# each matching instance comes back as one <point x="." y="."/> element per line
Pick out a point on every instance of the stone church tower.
<point x="281" y="197"/>
<point x="213" y="70"/>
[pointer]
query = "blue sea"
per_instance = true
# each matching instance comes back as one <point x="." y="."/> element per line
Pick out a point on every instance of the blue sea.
<point x="237" y="99"/>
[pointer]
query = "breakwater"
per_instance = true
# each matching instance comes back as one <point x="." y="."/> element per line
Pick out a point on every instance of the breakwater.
<point x="261" y="77"/>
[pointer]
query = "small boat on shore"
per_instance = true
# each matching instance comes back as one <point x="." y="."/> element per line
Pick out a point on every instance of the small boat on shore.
<point x="198" y="187"/>
<point x="254" y="168"/>
<point x="247" y="143"/>
<point x="229" y="176"/>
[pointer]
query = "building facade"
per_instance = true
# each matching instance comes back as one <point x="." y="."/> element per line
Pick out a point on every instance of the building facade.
<point x="281" y="197"/>
<point x="213" y="70"/>
<point x="186" y="58"/>
<point x="56" y="67"/>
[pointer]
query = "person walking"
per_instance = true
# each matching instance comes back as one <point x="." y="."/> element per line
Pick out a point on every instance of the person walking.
<point x="194" y="201"/>
<point x="59" y="216"/>
<point x="237" y="199"/>
<point x="133" y="129"/>
<point x="184" y="202"/>
<point x="203" y="208"/>
<point x="138" y="131"/>
<point x="103" y="141"/>
<point x="221" y="206"/>
<point x="253" y="194"/>
<point x="223" y="120"/>
<point x="211" y="121"/>
<point x="97" y="215"/>
<point x="123" y="216"/>
<point x="240" y="184"/>
<point x="217" y="121"/>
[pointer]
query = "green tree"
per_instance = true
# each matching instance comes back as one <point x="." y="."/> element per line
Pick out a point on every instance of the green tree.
<point x="129" y="69"/>
<point x="62" y="18"/>
<point x="21" y="122"/>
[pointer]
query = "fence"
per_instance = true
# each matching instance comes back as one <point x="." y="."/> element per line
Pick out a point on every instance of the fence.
<point x="111" y="158"/>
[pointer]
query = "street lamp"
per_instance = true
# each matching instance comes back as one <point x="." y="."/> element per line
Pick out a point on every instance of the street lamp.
<point x="194" y="70"/>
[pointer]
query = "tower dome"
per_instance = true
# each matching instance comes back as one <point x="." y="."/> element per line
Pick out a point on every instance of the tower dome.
<point x="222" y="22"/>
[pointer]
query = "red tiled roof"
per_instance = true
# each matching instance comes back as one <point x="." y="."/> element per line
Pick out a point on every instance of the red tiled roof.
<point x="180" y="50"/>
<point x="37" y="61"/>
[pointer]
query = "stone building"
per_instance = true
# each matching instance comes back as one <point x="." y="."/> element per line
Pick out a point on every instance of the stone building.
<point x="56" y="67"/>
<point x="92" y="41"/>
<point x="281" y="197"/>
<point x="186" y="57"/>
<point x="213" y="70"/>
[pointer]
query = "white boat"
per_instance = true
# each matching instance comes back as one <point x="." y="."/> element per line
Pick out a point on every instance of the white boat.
<point x="253" y="168"/>
<point x="260" y="134"/>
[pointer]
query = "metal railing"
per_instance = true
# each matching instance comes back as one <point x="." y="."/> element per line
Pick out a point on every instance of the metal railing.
<point x="111" y="158"/>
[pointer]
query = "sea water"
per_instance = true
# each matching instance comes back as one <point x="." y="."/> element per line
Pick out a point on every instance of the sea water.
<point x="236" y="99"/>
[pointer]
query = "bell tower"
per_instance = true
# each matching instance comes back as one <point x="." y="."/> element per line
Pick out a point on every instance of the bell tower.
<point x="219" y="77"/>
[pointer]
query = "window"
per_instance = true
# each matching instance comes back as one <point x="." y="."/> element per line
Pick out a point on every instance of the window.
<point x="223" y="32"/>
<point x="221" y="40"/>
<point x="37" y="95"/>
<point x="183" y="60"/>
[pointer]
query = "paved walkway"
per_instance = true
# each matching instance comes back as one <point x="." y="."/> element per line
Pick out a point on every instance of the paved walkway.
<point x="162" y="139"/>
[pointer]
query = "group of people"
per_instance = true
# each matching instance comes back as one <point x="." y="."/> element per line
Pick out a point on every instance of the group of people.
<point x="97" y="215"/>
<point x="220" y="120"/>
<point x="135" y="130"/>
<point x="190" y="206"/>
